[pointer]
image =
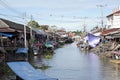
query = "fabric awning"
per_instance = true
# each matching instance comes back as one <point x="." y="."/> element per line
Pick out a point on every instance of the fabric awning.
<point x="5" y="34"/>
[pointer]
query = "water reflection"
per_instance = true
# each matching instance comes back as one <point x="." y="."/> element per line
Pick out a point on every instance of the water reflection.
<point x="69" y="63"/>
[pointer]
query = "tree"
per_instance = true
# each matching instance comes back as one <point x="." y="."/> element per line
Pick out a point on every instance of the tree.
<point x="78" y="32"/>
<point x="44" y="27"/>
<point x="54" y="28"/>
<point x="33" y="24"/>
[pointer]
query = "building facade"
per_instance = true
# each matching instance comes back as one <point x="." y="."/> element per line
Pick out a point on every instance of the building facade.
<point x="113" y="19"/>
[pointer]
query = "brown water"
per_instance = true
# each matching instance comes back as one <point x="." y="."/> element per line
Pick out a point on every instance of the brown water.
<point x="69" y="63"/>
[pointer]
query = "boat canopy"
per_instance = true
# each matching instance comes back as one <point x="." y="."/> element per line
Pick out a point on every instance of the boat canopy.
<point x="25" y="71"/>
<point x="22" y="50"/>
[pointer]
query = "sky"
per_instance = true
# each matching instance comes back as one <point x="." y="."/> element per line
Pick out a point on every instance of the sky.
<point x="68" y="14"/>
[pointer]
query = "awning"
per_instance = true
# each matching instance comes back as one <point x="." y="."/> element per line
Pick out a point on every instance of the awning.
<point x="97" y="34"/>
<point x="26" y="72"/>
<point x="38" y="31"/>
<point x="49" y="45"/>
<point x="64" y="36"/>
<point x="5" y="34"/>
<point x="22" y="50"/>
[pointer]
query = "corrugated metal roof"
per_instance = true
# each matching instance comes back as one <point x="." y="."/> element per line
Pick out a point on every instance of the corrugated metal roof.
<point x="110" y="31"/>
<point x="116" y="12"/>
<point x="6" y="23"/>
<point x="7" y="30"/>
<point x="38" y="31"/>
<point x="3" y="25"/>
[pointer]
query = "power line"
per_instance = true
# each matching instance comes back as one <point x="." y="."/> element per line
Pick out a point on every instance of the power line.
<point x="9" y="8"/>
<point x="102" y="6"/>
<point x="58" y="20"/>
<point x="10" y="15"/>
<point x="52" y="20"/>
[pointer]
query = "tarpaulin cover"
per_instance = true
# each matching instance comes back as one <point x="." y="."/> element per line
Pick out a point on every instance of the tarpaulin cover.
<point x="7" y="35"/>
<point x="49" y="45"/>
<point x="22" y="50"/>
<point x="93" y="40"/>
<point x="26" y="72"/>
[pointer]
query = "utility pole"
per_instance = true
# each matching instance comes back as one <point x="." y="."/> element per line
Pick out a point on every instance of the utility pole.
<point x="31" y="28"/>
<point x="84" y="24"/>
<point x="25" y="42"/>
<point x="102" y="17"/>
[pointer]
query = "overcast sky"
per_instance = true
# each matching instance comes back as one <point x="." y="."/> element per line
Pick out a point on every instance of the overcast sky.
<point x="68" y="14"/>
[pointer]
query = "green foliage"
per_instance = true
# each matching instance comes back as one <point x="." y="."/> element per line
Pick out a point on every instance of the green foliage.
<point x="34" y="24"/>
<point x="54" y="28"/>
<point x="48" y="56"/>
<point x="44" y="67"/>
<point x="44" y="27"/>
<point x="78" y="32"/>
<point x="7" y="70"/>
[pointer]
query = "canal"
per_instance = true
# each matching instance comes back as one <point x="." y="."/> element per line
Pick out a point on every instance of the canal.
<point x="69" y="63"/>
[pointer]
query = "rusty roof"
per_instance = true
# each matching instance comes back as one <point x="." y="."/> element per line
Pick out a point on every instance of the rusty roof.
<point x="110" y="31"/>
<point x="116" y="12"/>
<point x="7" y="30"/>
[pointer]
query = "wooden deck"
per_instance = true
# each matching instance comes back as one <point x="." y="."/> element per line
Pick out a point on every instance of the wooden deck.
<point x="115" y="61"/>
